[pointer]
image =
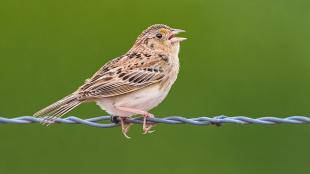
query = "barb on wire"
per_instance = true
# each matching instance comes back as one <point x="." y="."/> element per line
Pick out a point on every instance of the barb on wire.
<point x="218" y="120"/>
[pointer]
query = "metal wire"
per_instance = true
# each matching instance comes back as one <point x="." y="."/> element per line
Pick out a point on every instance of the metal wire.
<point x="218" y="120"/>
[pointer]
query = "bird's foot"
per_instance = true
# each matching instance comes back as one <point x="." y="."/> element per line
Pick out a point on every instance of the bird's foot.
<point x="147" y="126"/>
<point x="125" y="126"/>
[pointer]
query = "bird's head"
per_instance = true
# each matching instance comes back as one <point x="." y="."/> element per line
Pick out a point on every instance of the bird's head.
<point x="160" y="37"/>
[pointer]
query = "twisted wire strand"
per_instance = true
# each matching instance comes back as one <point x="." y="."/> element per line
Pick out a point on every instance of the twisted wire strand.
<point x="218" y="120"/>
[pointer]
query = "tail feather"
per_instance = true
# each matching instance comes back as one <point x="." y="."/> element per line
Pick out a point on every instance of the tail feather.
<point x="58" y="109"/>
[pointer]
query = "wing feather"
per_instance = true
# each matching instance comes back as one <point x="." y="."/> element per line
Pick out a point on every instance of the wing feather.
<point x="123" y="76"/>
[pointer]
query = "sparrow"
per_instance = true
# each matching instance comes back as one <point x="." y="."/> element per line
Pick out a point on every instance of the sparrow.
<point x="131" y="84"/>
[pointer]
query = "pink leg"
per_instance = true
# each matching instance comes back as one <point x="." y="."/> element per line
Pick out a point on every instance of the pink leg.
<point x="146" y="128"/>
<point x="125" y="126"/>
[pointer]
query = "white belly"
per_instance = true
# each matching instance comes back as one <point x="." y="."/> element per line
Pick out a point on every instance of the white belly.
<point x="144" y="99"/>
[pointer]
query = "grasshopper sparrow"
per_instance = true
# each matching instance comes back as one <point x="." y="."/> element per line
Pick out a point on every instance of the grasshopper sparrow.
<point x="131" y="84"/>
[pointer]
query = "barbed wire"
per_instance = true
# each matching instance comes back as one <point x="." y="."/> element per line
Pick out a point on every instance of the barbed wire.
<point x="101" y="121"/>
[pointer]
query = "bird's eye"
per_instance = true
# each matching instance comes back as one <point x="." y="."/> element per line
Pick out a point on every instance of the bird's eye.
<point x="158" y="35"/>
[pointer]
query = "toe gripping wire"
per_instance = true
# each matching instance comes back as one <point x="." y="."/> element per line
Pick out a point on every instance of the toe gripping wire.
<point x="109" y="122"/>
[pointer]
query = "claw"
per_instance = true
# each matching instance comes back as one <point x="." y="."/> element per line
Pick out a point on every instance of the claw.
<point x="147" y="127"/>
<point x="126" y="136"/>
<point x="125" y="126"/>
<point x="148" y="130"/>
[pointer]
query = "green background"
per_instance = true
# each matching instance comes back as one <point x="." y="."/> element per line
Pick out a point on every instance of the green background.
<point x="242" y="57"/>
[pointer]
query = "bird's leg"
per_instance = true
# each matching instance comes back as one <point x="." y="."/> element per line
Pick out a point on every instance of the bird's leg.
<point x="122" y="120"/>
<point x="146" y="127"/>
<point x="125" y="126"/>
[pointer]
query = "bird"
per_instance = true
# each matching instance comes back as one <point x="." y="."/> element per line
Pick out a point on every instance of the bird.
<point x="131" y="84"/>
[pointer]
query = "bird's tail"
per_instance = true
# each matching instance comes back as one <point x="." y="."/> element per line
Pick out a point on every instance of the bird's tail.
<point x="58" y="109"/>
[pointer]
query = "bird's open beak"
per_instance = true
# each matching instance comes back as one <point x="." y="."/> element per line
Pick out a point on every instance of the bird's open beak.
<point x="174" y="39"/>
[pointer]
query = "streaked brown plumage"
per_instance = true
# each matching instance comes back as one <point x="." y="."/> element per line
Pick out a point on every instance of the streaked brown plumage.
<point x="130" y="84"/>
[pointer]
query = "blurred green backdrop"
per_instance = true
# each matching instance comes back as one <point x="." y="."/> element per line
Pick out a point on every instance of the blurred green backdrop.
<point x="241" y="58"/>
